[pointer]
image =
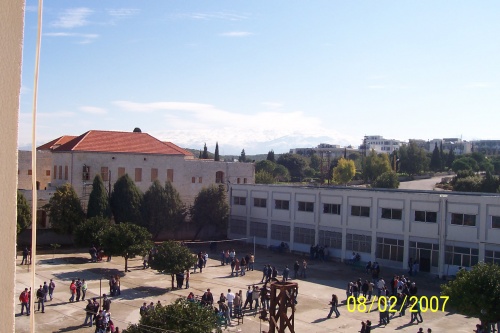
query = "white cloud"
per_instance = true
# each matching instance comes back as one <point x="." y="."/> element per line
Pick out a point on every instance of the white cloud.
<point x="479" y="85"/>
<point x="192" y="124"/>
<point x="236" y="34"/>
<point x="83" y="38"/>
<point x="72" y="18"/>
<point x="229" y="16"/>
<point x="93" y="110"/>
<point x="273" y="105"/>
<point x="123" y="12"/>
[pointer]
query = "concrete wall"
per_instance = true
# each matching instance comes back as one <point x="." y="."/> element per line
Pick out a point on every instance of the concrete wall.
<point x="442" y="232"/>
<point x="43" y="169"/>
<point x="11" y="39"/>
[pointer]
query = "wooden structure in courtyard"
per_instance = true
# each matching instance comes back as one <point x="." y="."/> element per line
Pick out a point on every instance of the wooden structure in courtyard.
<point x="282" y="307"/>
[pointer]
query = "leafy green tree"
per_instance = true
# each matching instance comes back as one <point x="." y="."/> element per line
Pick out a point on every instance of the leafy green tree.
<point x="23" y="213"/>
<point x="344" y="171"/>
<point x="495" y="161"/>
<point x="281" y="173"/>
<point x="162" y="208"/>
<point x="210" y="208"/>
<point x="468" y="184"/>
<point x="435" y="159"/>
<point x="91" y="231"/>
<point x="413" y="159"/>
<point x="295" y="164"/>
<point x="172" y="258"/>
<point x="476" y="293"/>
<point x="315" y="163"/>
<point x="126" y="240"/>
<point x="98" y="200"/>
<point x="243" y="156"/>
<point x="386" y="180"/>
<point x="264" y="177"/>
<point x="270" y="156"/>
<point x="181" y="316"/>
<point x="65" y="210"/>
<point x="205" y="152"/>
<point x="126" y="201"/>
<point x="216" y="155"/>
<point x="464" y="163"/>
<point x="450" y="158"/>
<point x="265" y="165"/>
<point x="375" y="165"/>
<point x="489" y="183"/>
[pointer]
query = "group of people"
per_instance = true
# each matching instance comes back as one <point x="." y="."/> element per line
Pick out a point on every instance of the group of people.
<point x="78" y="290"/>
<point x="96" y="254"/>
<point x="101" y="318"/>
<point x="319" y="252"/>
<point x="43" y="292"/>
<point x="182" y="279"/>
<point x="238" y="266"/>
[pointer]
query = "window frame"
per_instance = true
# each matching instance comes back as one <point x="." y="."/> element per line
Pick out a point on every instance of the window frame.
<point x="332" y="209"/>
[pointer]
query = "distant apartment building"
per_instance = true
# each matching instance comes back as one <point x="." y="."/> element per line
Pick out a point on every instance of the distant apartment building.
<point x="325" y="150"/>
<point x="458" y="145"/>
<point x="379" y="144"/>
<point x="487" y="147"/>
<point x="443" y="231"/>
<point x="77" y="160"/>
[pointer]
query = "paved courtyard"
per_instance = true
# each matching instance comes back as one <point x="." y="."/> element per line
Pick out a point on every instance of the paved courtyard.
<point x="140" y="286"/>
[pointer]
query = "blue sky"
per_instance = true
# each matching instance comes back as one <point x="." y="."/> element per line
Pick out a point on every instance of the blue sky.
<point x="261" y="75"/>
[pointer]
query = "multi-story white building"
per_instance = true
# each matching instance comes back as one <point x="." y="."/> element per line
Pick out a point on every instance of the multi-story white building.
<point x="458" y="145"/>
<point x="379" y="144"/>
<point x="77" y="160"/>
<point x="442" y="230"/>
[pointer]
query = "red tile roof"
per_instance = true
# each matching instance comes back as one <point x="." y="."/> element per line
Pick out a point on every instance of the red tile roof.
<point x="121" y="142"/>
<point x="56" y="142"/>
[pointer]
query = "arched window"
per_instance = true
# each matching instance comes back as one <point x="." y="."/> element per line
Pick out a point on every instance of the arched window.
<point x="219" y="177"/>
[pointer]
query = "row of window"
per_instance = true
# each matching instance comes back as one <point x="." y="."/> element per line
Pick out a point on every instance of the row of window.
<point x="106" y="173"/>
<point x="30" y="172"/>
<point x="364" y="211"/>
<point x="386" y="248"/>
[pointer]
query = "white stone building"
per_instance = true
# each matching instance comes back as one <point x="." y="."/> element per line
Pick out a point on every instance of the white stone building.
<point x="379" y="144"/>
<point x="76" y="160"/>
<point x="443" y="230"/>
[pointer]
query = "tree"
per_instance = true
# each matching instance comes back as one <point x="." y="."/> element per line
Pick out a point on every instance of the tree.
<point x="464" y="163"/>
<point x="476" y="293"/>
<point x="375" y="165"/>
<point x="126" y="201"/>
<point x="413" y="159"/>
<point x="386" y="180"/>
<point x="265" y="165"/>
<point x="65" y="210"/>
<point x="270" y="156"/>
<point x="281" y="173"/>
<point x="435" y="159"/>
<point x="210" y="208"/>
<point x="243" y="157"/>
<point x="442" y="155"/>
<point x="315" y="162"/>
<point x="216" y="155"/>
<point x="205" y="153"/>
<point x="450" y="158"/>
<point x="264" y="177"/>
<point x="295" y="164"/>
<point x="91" y="230"/>
<point x="162" y="208"/>
<point x="490" y="183"/>
<point x="126" y="240"/>
<point x="23" y="213"/>
<point x="98" y="200"/>
<point x="344" y="171"/>
<point x="181" y="316"/>
<point x="172" y="258"/>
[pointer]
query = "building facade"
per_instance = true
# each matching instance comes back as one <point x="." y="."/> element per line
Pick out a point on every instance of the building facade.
<point x="442" y="230"/>
<point x="379" y="144"/>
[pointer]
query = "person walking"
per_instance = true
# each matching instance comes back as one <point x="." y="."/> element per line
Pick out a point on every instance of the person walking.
<point x="230" y="299"/>
<point x="296" y="268"/>
<point x="251" y="261"/>
<point x="45" y="291"/>
<point x="334" y="307"/>
<point x="72" y="290"/>
<point x="78" y="285"/>
<point x="417" y="314"/>
<point x="303" y="273"/>
<point x="286" y="273"/>
<point x="248" y="299"/>
<point x="24" y="298"/>
<point x="187" y="276"/>
<point x="84" y="289"/>
<point x="89" y="313"/>
<point x="40" y="295"/>
<point x="25" y="256"/>
<point x="52" y="286"/>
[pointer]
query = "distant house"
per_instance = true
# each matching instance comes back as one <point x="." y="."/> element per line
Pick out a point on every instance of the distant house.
<point x="76" y="160"/>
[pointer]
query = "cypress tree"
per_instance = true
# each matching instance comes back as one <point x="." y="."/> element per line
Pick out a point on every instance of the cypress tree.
<point x="205" y="152"/>
<point x="98" y="200"/>
<point x="216" y="157"/>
